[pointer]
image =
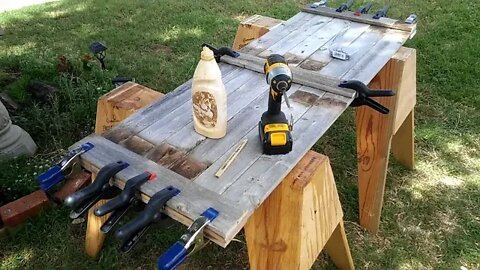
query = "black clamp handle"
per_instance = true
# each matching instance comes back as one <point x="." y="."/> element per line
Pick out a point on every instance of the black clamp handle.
<point x="131" y="232"/>
<point x="120" y="205"/>
<point x="84" y="199"/>
<point x="345" y="6"/>
<point x="364" y="95"/>
<point x="381" y="13"/>
<point x="218" y="53"/>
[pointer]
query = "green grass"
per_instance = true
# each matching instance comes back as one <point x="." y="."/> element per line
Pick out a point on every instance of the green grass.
<point x="431" y="218"/>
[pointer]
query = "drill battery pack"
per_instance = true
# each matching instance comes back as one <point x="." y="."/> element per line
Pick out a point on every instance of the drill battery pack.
<point x="275" y="136"/>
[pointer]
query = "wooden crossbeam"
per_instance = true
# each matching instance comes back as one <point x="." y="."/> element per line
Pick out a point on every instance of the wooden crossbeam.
<point x="300" y="76"/>
<point x="363" y="18"/>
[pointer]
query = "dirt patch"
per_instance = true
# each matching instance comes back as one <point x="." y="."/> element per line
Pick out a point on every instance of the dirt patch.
<point x="330" y="102"/>
<point x="312" y="65"/>
<point x="161" y="48"/>
<point x="292" y="58"/>
<point x="137" y="145"/>
<point x="304" y="97"/>
<point x="118" y="134"/>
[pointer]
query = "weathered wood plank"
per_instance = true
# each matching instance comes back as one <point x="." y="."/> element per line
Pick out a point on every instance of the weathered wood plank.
<point x="150" y="114"/>
<point x="364" y="18"/>
<point x="357" y="50"/>
<point x="277" y="33"/>
<point x="368" y="66"/>
<point x="296" y="38"/>
<point x="210" y="150"/>
<point x="186" y="206"/>
<point x="311" y="44"/>
<point x="300" y="76"/>
<point x="321" y="57"/>
<point x="253" y="148"/>
<point x="187" y="138"/>
<point x="255" y="184"/>
<point x="178" y="118"/>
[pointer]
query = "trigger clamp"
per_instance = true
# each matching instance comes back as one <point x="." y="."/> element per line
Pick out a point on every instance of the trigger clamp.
<point x="364" y="95"/>
<point x="188" y="242"/>
<point x="101" y="188"/>
<point x="131" y="233"/>
<point x="122" y="203"/>
<point x="64" y="168"/>
<point x="218" y="53"/>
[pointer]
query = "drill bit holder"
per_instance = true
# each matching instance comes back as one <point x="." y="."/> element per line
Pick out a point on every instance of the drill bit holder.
<point x="101" y="188"/>
<point x="364" y="95"/>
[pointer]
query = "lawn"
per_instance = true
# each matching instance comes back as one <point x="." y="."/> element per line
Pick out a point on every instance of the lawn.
<point x="431" y="216"/>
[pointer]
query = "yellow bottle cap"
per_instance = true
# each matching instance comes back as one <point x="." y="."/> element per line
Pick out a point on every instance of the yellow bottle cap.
<point x="207" y="54"/>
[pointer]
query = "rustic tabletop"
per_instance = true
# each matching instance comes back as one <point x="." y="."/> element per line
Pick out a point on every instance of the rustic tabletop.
<point x="160" y="138"/>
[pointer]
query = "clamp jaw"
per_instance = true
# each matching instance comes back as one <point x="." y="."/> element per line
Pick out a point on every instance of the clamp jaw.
<point x="120" y="205"/>
<point x="345" y="6"/>
<point x="381" y="13"/>
<point x="63" y="169"/>
<point x="177" y="253"/>
<point x="363" y="9"/>
<point x="218" y="53"/>
<point x="131" y="232"/>
<point x="364" y="94"/>
<point x="101" y="188"/>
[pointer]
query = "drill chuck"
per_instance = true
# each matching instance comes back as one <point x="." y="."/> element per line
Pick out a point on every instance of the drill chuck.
<point x="279" y="77"/>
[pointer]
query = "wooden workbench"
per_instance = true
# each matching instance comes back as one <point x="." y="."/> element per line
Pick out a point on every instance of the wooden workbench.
<point x="161" y="139"/>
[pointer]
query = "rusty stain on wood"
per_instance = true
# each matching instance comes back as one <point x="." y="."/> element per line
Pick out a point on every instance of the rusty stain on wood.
<point x="176" y="160"/>
<point x="189" y="167"/>
<point x="304" y="97"/>
<point x="312" y="65"/>
<point x="329" y="102"/>
<point x="137" y="145"/>
<point x="165" y="155"/>
<point x="292" y="58"/>
<point x="118" y="135"/>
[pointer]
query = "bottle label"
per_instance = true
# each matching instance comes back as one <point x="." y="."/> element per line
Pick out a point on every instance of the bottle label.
<point x="205" y="108"/>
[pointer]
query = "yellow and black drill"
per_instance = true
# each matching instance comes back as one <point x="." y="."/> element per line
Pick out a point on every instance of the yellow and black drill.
<point x="274" y="129"/>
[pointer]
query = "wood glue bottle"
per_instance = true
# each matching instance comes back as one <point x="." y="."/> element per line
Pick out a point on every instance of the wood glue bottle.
<point x="209" y="99"/>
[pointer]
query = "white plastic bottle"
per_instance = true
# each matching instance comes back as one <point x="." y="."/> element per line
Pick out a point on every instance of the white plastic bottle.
<point x="209" y="99"/>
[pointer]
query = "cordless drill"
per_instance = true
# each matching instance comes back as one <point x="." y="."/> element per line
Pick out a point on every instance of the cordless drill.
<point x="274" y="130"/>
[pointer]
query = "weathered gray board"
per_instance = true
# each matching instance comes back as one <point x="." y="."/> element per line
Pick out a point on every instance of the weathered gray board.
<point x="306" y="39"/>
<point x="316" y="101"/>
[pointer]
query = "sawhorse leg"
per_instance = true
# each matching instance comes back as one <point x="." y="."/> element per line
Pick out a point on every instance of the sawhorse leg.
<point x="302" y="216"/>
<point x="94" y="238"/>
<point x="112" y="108"/>
<point x="375" y="131"/>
